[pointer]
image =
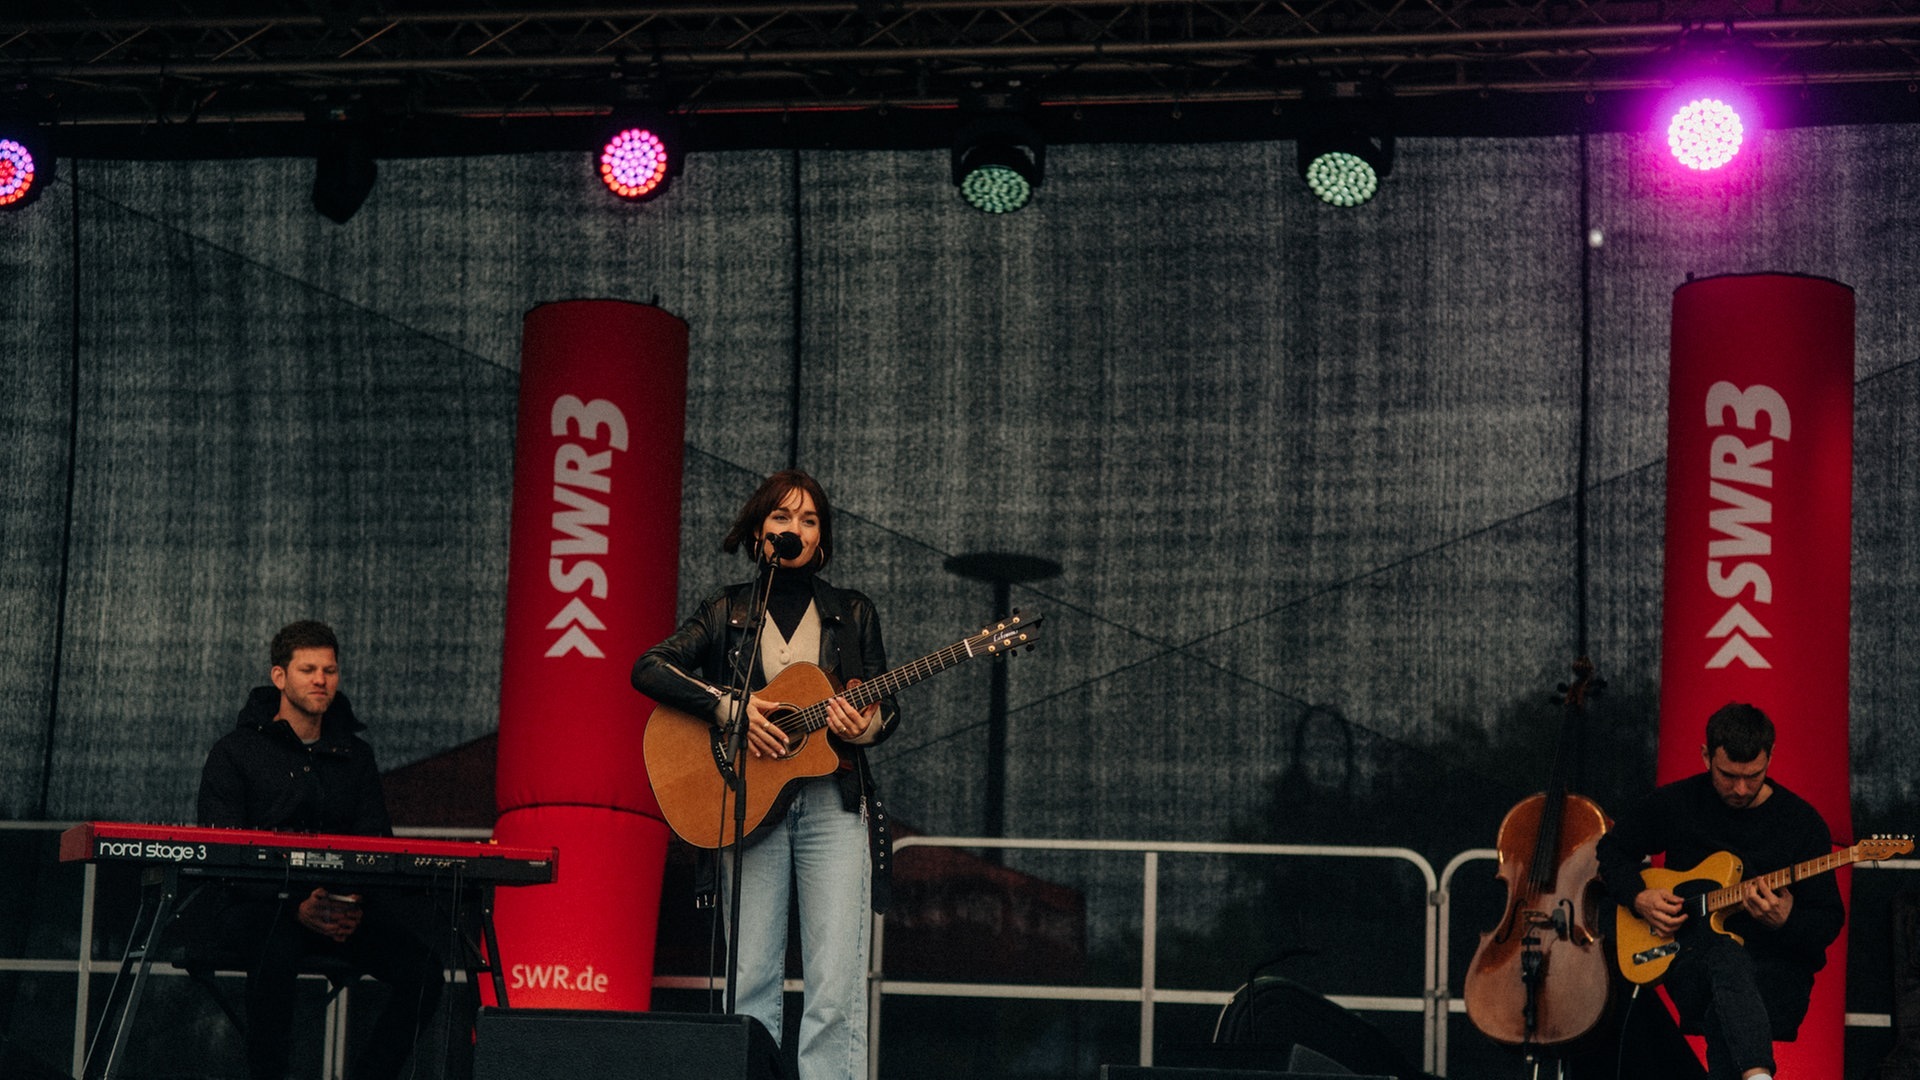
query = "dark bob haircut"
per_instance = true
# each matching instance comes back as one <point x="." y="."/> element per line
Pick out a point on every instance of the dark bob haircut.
<point x="773" y="491"/>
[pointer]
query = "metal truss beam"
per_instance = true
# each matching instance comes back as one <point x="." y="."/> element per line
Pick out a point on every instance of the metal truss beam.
<point x="129" y="64"/>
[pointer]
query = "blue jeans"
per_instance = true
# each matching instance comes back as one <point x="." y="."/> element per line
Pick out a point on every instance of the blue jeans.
<point x="819" y="848"/>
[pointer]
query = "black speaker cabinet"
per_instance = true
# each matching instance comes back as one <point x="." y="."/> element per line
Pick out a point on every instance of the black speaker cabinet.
<point x="1156" y="1073"/>
<point x="570" y="1044"/>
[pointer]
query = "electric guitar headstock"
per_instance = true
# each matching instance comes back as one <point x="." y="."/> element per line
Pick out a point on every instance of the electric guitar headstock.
<point x="1876" y="848"/>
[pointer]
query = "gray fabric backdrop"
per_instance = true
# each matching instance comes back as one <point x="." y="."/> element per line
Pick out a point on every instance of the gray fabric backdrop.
<point x="1309" y="472"/>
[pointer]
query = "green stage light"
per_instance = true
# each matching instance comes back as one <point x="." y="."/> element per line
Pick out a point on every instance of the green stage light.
<point x="1344" y="169"/>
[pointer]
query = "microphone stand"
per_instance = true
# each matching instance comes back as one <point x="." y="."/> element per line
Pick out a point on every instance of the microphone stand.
<point x="737" y="738"/>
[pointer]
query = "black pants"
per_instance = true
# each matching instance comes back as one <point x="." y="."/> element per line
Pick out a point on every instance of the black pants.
<point x="274" y="944"/>
<point x="1740" y="1003"/>
<point x="1717" y="991"/>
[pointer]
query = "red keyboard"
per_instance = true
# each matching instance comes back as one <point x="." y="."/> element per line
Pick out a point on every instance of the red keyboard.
<point x="259" y="854"/>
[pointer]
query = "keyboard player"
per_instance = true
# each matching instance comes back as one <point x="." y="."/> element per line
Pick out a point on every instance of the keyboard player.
<point x="294" y="762"/>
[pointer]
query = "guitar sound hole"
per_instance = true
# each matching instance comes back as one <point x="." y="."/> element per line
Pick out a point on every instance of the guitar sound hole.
<point x="796" y="740"/>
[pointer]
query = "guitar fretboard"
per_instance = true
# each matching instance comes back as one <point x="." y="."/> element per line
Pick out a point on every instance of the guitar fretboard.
<point x="1733" y="895"/>
<point x="989" y="642"/>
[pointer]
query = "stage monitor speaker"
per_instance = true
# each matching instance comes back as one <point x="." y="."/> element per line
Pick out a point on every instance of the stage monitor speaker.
<point x="574" y="1044"/>
<point x="1279" y="1013"/>
<point x="1145" y="1073"/>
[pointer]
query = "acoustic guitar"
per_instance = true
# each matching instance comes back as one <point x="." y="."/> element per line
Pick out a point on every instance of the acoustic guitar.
<point x="1710" y="890"/>
<point x="689" y="759"/>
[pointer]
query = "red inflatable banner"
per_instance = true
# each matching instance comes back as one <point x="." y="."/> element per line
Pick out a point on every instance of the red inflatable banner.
<point x="592" y="581"/>
<point x="1758" y="553"/>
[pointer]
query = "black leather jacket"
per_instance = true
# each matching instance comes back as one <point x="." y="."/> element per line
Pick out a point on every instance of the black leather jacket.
<point x="691" y="669"/>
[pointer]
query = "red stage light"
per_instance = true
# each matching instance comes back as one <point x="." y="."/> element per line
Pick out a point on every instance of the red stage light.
<point x="16" y="173"/>
<point x="636" y="163"/>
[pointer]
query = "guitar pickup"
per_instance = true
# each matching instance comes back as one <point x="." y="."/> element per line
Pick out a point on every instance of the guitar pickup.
<point x="1648" y="956"/>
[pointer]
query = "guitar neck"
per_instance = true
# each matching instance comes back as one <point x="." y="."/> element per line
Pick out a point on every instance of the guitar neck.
<point x="1732" y="895"/>
<point x="814" y="717"/>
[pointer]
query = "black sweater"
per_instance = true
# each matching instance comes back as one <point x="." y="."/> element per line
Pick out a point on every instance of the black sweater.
<point x="1687" y="821"/>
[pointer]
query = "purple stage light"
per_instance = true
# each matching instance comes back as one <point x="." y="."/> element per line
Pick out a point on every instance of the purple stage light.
<point x="16" y="173"/>
<point x="634" y="164"/>
<point x="1705" y="132"/>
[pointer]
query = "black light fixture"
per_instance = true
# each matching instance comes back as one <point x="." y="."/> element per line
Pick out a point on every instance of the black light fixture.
<point x="640" y="154"/>
<point x="1346" y="151"/>
<point x="998" y="156"/>
<point x="26" y="166"/>
<point x="343" y="166"/>
<point x="1710" y="113"/>
<point x="1344" y="167"/>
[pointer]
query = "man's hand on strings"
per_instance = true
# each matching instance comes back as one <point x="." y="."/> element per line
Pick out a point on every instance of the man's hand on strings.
<point x="1768" y="906"/>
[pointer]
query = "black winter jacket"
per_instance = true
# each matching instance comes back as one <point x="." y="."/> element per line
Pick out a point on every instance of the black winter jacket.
<point x="260" y="776"/>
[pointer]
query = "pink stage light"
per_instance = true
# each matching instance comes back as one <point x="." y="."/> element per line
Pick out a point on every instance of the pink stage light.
<point x="635" y="164"/>
<point x="16" y="173"/>
<point x="1705" y="132"/>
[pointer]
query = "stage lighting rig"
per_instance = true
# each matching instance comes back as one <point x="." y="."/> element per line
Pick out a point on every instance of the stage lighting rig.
<point x="1346" y="149"/>
<point x="1709" y="115"/>
<point x="1344" y="168"/>
<point x="344" y="169"/>
<point x="998" y="156"/>
<point x="641" y="153"/>
<point x="1706" y="130"/>
<point x="26" y="168"/>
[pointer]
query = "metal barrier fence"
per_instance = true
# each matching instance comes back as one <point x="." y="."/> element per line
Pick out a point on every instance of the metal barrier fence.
<point x="1147" y="992"/>
<point x="1433" y="999"/>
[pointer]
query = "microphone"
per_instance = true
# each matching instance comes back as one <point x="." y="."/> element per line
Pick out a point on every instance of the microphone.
<point x="785" y="545"/>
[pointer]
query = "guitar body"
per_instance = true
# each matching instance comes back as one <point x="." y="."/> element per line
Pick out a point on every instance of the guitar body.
<point x="684" y="756"/>
<point x="1573" y="964"/>
<point x="687" y="759"/>
<point x="1645" y="956"/>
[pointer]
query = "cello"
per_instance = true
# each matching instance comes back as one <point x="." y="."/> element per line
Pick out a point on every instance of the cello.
<point x="1541" y="977"/>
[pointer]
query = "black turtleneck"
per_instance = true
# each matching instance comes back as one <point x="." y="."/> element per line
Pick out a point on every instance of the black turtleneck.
<point x="787" y="603"/>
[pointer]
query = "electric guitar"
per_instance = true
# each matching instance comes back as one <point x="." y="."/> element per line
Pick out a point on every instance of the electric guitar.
<point x="689" y="759"/>
<point x="1709" y="890"/>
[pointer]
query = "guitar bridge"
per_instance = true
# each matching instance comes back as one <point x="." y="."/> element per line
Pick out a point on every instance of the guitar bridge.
<point x="717" y="742"/>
